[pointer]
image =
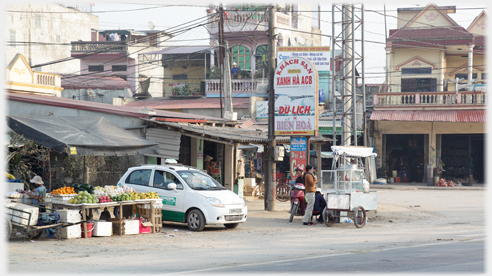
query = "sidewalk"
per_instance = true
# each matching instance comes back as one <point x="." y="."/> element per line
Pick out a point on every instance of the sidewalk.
<point x="423" y="186"/>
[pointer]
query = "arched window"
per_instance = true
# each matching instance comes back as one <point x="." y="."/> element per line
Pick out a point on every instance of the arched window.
<point x="242" y="56"/>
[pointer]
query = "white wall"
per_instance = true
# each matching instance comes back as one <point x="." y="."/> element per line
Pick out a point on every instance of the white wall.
<point x="56" y="22"/>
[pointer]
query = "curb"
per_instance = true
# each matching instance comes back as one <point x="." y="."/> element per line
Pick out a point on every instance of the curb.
<point x="419" y="187"/>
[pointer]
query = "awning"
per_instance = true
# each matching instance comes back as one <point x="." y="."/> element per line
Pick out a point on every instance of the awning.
<point x="455" y="116"/>
<point x="81" y="136"/>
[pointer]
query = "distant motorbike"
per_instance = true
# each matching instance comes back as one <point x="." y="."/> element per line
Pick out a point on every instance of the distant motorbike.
<point x="297" y="201"/>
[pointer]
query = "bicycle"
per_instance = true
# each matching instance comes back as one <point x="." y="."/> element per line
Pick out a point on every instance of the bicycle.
<point x="282" y="191"/>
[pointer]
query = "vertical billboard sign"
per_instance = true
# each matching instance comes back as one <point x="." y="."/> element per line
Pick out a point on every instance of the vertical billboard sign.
<point x="298" y="146"/>
<point x="296" y="98"/>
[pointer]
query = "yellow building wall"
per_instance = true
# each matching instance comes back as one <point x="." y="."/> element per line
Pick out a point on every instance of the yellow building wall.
<point x="406" y="58"/>
<point x="459" y="65"/>
<point x="195" y="76"/>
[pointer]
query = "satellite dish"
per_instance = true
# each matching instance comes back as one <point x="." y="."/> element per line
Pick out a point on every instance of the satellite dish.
<point x="151" y="25"/>
<point x="91" y="93"/>
<point x="292" y="42"/>
<point x="300" y="40"/>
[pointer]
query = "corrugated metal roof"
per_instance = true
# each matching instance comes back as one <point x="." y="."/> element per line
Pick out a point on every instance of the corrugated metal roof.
<point x="105" y="108"/>
<point x="456" y="116"/>
<point x="93" y="82"/>
<point x="230" y="134"/>
<point x="168" y="103"/>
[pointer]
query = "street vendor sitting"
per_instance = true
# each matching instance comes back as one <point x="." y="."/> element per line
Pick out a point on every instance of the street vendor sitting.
<point x="319" y="204"/>
<point x="39" y="193"/>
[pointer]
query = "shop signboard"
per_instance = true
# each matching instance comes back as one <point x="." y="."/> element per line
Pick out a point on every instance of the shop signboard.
<point x="298" y="147"/>
<point x="319" y="56"/>
<point x="261" y="110"/>
<point x="296" y="98"/>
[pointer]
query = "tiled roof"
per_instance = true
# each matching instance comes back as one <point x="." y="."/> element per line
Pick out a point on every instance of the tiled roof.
<point x="434" y="34"/>
<point x="168" y="103"/>
<point x="93" y="82"/>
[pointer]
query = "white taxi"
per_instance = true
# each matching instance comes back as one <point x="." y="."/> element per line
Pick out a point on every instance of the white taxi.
<point x="188" y="195"/>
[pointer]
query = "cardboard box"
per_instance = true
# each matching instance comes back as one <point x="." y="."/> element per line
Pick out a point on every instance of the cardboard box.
<point x="102" y="228"/>
<point x="71" y="232"/>
<point x="69" y="215"/>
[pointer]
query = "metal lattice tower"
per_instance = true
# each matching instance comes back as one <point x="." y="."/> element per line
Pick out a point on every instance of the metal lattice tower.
<point x="348" y="51"/>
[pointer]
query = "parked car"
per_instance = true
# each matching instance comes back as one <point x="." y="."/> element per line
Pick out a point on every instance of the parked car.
<point x="188" y="195"/>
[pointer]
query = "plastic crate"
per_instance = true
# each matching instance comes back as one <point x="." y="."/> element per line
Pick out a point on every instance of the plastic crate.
<point x="71" y="232"/>
<point x="144" y="229"/>
<point x="69" y="215"/>
<point x="61" y="199"/>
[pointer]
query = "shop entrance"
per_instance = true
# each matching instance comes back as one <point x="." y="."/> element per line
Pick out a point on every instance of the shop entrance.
<point x="463" y="157"/>
<point x="405" y="155"/>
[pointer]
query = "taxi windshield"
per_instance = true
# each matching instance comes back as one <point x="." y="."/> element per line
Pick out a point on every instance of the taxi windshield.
<point x="200" y="181"/>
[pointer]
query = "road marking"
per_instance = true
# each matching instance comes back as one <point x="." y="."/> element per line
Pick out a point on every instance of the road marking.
<point x="316" y="257"/>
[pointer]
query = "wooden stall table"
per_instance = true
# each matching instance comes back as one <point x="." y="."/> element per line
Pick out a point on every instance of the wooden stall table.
<point x="89" y="207"/>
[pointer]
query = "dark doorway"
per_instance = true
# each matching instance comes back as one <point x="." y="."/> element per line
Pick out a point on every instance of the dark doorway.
<point x="405" y="155"/>
<point x="463" y="156"/>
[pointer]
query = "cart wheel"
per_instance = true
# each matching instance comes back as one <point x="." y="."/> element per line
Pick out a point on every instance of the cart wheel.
<point x="258" y="191"/>
<point x="329" y="219"/>
<point x="9" y="228"/>
<point x="359" y="217"/>
<point x="293" y="211"/>
<point x="35" y="234"/>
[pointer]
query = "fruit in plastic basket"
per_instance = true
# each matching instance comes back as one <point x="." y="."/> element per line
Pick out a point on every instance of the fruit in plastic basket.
<point x="63" y="191"/>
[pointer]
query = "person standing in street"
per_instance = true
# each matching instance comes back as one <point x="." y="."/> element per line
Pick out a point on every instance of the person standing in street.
<point x="310" y="188"/>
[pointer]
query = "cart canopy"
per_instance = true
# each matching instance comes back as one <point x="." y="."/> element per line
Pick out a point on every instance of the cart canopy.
<point x="81" y="136"/>
<point x="352" y="151"/>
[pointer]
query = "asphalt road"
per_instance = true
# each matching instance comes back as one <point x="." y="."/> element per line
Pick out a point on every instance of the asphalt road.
<point x="451" y="257"/>
<point x="414" y="231"/>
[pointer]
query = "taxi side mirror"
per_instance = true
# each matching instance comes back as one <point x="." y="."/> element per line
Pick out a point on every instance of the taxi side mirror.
<point x="172" y="186"/>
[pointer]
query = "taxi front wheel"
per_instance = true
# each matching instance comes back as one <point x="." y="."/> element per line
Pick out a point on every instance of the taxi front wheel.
<point x="195" y="220"/>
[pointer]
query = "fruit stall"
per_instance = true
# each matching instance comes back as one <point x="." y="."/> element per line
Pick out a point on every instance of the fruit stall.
<point x="86" y="199"/>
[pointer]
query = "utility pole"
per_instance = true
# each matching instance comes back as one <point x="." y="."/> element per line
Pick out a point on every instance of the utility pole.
<point x="221" y="52"/>
<point x="272" y="143"/>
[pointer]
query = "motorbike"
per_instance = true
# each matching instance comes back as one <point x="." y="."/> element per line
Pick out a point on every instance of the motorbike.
<point x="297" y="201"/>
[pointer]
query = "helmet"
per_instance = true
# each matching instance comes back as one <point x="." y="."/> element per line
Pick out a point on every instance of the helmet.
<point x="299" y="186"/>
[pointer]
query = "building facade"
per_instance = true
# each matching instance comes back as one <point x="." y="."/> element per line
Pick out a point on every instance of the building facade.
<point x="42" y="33"/>
<point x="432" y="115"/>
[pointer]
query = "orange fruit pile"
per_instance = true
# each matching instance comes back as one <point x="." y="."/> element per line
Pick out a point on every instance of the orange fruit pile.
<point x="64" y="191"/>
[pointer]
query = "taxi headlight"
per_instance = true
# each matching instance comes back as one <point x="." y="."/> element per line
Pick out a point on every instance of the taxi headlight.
<point x="215" y="202"/>
<point x="244" y="203"/>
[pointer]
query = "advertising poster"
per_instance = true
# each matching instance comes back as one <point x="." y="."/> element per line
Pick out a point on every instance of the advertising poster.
<point x="259" y="161"/>
<point x="296" y="98"/>
<point x="261" y="110"/>
<point x="216" y="172"/>
<point x="298" y="148"/>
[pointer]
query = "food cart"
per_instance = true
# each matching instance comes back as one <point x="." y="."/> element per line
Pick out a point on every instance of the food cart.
<point x="351" y="192"/>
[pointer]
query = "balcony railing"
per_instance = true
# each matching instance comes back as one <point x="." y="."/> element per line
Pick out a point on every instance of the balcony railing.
<point x="242" y="21"/>
<point x="421" y="99"/>
<point x="100" y="46"/>
<point x="239" y="86"/>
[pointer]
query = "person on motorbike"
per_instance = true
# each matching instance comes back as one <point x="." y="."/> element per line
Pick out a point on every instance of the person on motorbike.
<point x="310" y="184"/>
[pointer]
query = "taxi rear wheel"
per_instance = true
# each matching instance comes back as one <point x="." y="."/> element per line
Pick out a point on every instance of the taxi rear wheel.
<point x="195" y="220"/>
